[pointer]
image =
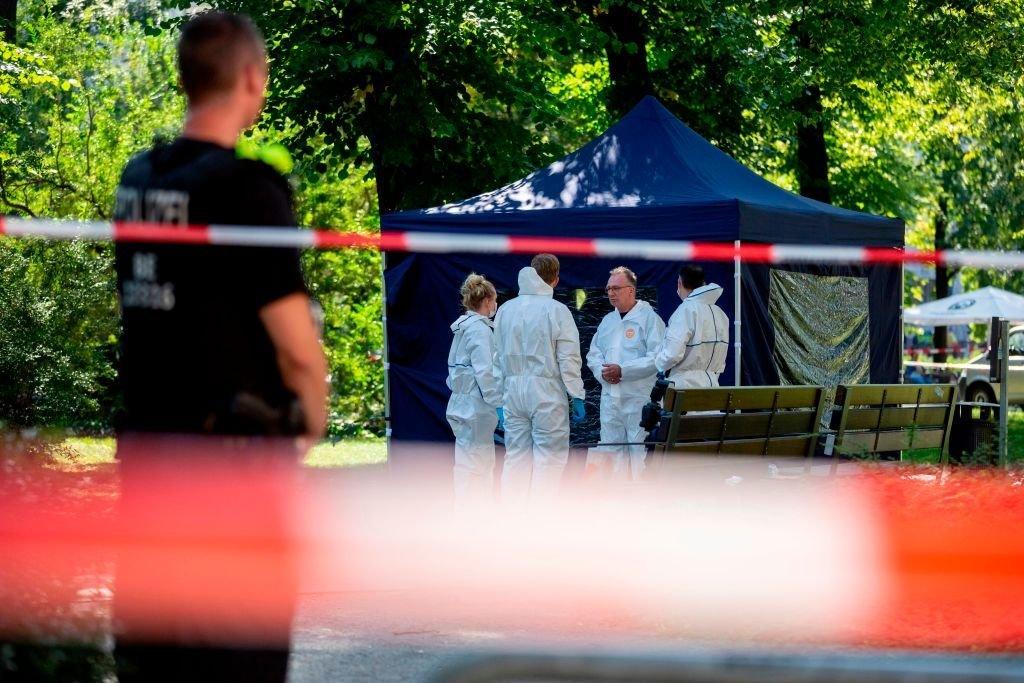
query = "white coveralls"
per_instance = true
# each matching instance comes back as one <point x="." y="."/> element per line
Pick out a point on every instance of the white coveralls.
<point x="696" y="341"/>
<point x="538" y="359"/>
<point x="629" y="341"/>
<point x="476" y="395"/>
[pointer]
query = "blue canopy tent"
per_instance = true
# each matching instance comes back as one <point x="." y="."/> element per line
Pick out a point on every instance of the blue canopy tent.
<point x="649" y="177"/>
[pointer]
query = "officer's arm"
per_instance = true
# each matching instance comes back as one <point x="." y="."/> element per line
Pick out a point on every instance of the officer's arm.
<point x="567" y="353"/>
<point x="300" y="356"/>
<point x="595" y="356"/>
<point x="642" y="367"/>
<point x="498" y="359"/>
<point x="479" y="343"/>
<point x="677" y="336"/>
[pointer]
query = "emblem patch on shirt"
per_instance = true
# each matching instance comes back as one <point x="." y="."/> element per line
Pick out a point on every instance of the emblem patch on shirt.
<point x="630" y="333"/>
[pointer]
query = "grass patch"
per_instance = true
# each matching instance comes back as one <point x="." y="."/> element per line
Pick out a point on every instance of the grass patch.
<point x="87" y="452"/>
<point x="347" y="453"/>
<point x="1014" y="437"/>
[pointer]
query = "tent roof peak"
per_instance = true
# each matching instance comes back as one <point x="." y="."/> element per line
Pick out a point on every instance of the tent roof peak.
<point x="651" y="161"/>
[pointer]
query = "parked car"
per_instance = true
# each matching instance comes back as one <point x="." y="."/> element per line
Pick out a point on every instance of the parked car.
<point x="974" y="378"/>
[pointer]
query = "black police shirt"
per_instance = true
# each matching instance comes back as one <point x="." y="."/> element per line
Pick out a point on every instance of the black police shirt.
<point x="192" y="339"/>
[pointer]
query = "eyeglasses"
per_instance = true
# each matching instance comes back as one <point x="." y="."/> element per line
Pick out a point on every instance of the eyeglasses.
<point x="609" y="290"/>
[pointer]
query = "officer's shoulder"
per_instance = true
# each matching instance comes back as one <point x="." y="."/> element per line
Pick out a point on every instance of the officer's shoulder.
<point x="137" y="164"/>
<point x="261" y="174"/>
<point x="559" y="306"/>
<point x="652" y="312"/>
<point x="142" y="157"/>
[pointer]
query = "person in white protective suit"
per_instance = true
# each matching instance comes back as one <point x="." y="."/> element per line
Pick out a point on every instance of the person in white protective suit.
<point x="621" y="357"/>
<point x="538" y="358"/>
<point x="474" y="407"/>
<point x="697" y="339"/>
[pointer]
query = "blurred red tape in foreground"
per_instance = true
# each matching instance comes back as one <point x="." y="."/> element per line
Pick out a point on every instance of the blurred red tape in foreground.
<point x="893" y="558"/>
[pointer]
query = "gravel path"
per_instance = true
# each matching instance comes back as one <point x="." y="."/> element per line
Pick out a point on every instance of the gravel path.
<point x="368" y="637"/>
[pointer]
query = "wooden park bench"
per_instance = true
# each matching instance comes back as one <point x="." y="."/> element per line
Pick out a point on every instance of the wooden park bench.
<point x="780" y="421"/>
<point x="876" y="418"/>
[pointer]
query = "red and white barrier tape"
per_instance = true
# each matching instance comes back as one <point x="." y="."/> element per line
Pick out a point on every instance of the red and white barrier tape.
<point x="412" y="241"/>
<point x="887" y="557"/>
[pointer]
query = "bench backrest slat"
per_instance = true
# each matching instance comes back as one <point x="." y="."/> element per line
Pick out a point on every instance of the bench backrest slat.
<point x="895" y="394"/>
<point x="745" y="425"/>
<point x="780" y="446"/>
<point x="857" y="443"/>
<point x="875" y="418"/>
<point x="780" y="420"/>
<point x="896" y="417"/>
<point x="742" y="398"/>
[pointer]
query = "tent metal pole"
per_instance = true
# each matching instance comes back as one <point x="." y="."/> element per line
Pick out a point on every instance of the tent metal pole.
<point x="387" y="365"/>
<point x="1004" y="388"/>
<point x="737" y="281"/>
<point x="903" y="329"/>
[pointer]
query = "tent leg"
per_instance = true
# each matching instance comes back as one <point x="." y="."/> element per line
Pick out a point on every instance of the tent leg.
<point x="903" y="329"/>
<point x="387" y="365"/>
<point x="1004" y="389"/>
<point x="737" y="344"/>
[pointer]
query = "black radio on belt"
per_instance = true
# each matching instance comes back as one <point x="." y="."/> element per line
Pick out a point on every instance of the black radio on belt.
<point x="651" y="416"/>
<point x="247" y="413"/>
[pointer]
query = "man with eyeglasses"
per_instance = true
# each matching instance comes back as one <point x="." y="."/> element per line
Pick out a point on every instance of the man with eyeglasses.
<point x="621" y="357"/>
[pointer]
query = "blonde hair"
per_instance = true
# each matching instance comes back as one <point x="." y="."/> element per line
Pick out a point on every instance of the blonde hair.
<point x="474" y="290"/>
<point x="546" y="266"/>
<point x="623" y="270"/>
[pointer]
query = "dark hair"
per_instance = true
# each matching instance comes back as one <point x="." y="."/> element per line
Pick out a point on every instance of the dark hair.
<point x="546" y="266"/>
<point x="212" y="49"/>
<point x="692" y="276"/>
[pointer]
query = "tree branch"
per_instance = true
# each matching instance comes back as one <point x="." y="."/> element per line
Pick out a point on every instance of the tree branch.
<point x="8" y="201"/>
<point x="88" y="154"/>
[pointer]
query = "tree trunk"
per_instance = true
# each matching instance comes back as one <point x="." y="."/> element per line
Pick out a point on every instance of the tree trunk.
<point x="811" y="150"/>
<point x="402" y="158"/>
<point x="9" y="19"/>
<point x="626" y="51"/>
<point x="942" y="276"/>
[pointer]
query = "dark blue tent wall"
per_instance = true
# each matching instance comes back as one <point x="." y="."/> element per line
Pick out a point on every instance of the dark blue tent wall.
<point x="648" y="177"/>
<point x="422" y="294"/>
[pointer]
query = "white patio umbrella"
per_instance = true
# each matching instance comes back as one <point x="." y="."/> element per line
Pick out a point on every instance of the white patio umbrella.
<point x="979" y="306"/>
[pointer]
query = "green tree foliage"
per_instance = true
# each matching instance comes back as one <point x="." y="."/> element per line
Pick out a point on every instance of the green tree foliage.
<point x="333" y="192"/>
<point x="84" y="92"/>
<point x="108" y="90"/>
<point x="979" y="185"/>
<point x="348" y="286"/>
<point x="448" y="97"/>
<point x="58" y="326"/>
<point x="93" y="85"/>
<point x="907" y="109"/>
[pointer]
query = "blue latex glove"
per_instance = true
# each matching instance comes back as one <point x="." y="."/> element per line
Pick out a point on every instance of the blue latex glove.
<point x="661" y="375"/>
<point x="501" y="418"/>
<point x="579" y="410"/>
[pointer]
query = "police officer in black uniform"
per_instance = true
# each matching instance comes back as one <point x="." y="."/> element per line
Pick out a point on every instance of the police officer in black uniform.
<point x="219" y="347"/>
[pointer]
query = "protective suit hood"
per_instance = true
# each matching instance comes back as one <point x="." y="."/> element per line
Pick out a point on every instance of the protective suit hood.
<point x="696" y="341"/>
<point x="707" y="294"/>
<point x="468" y="317"/>
<point x="531" y="283"/>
